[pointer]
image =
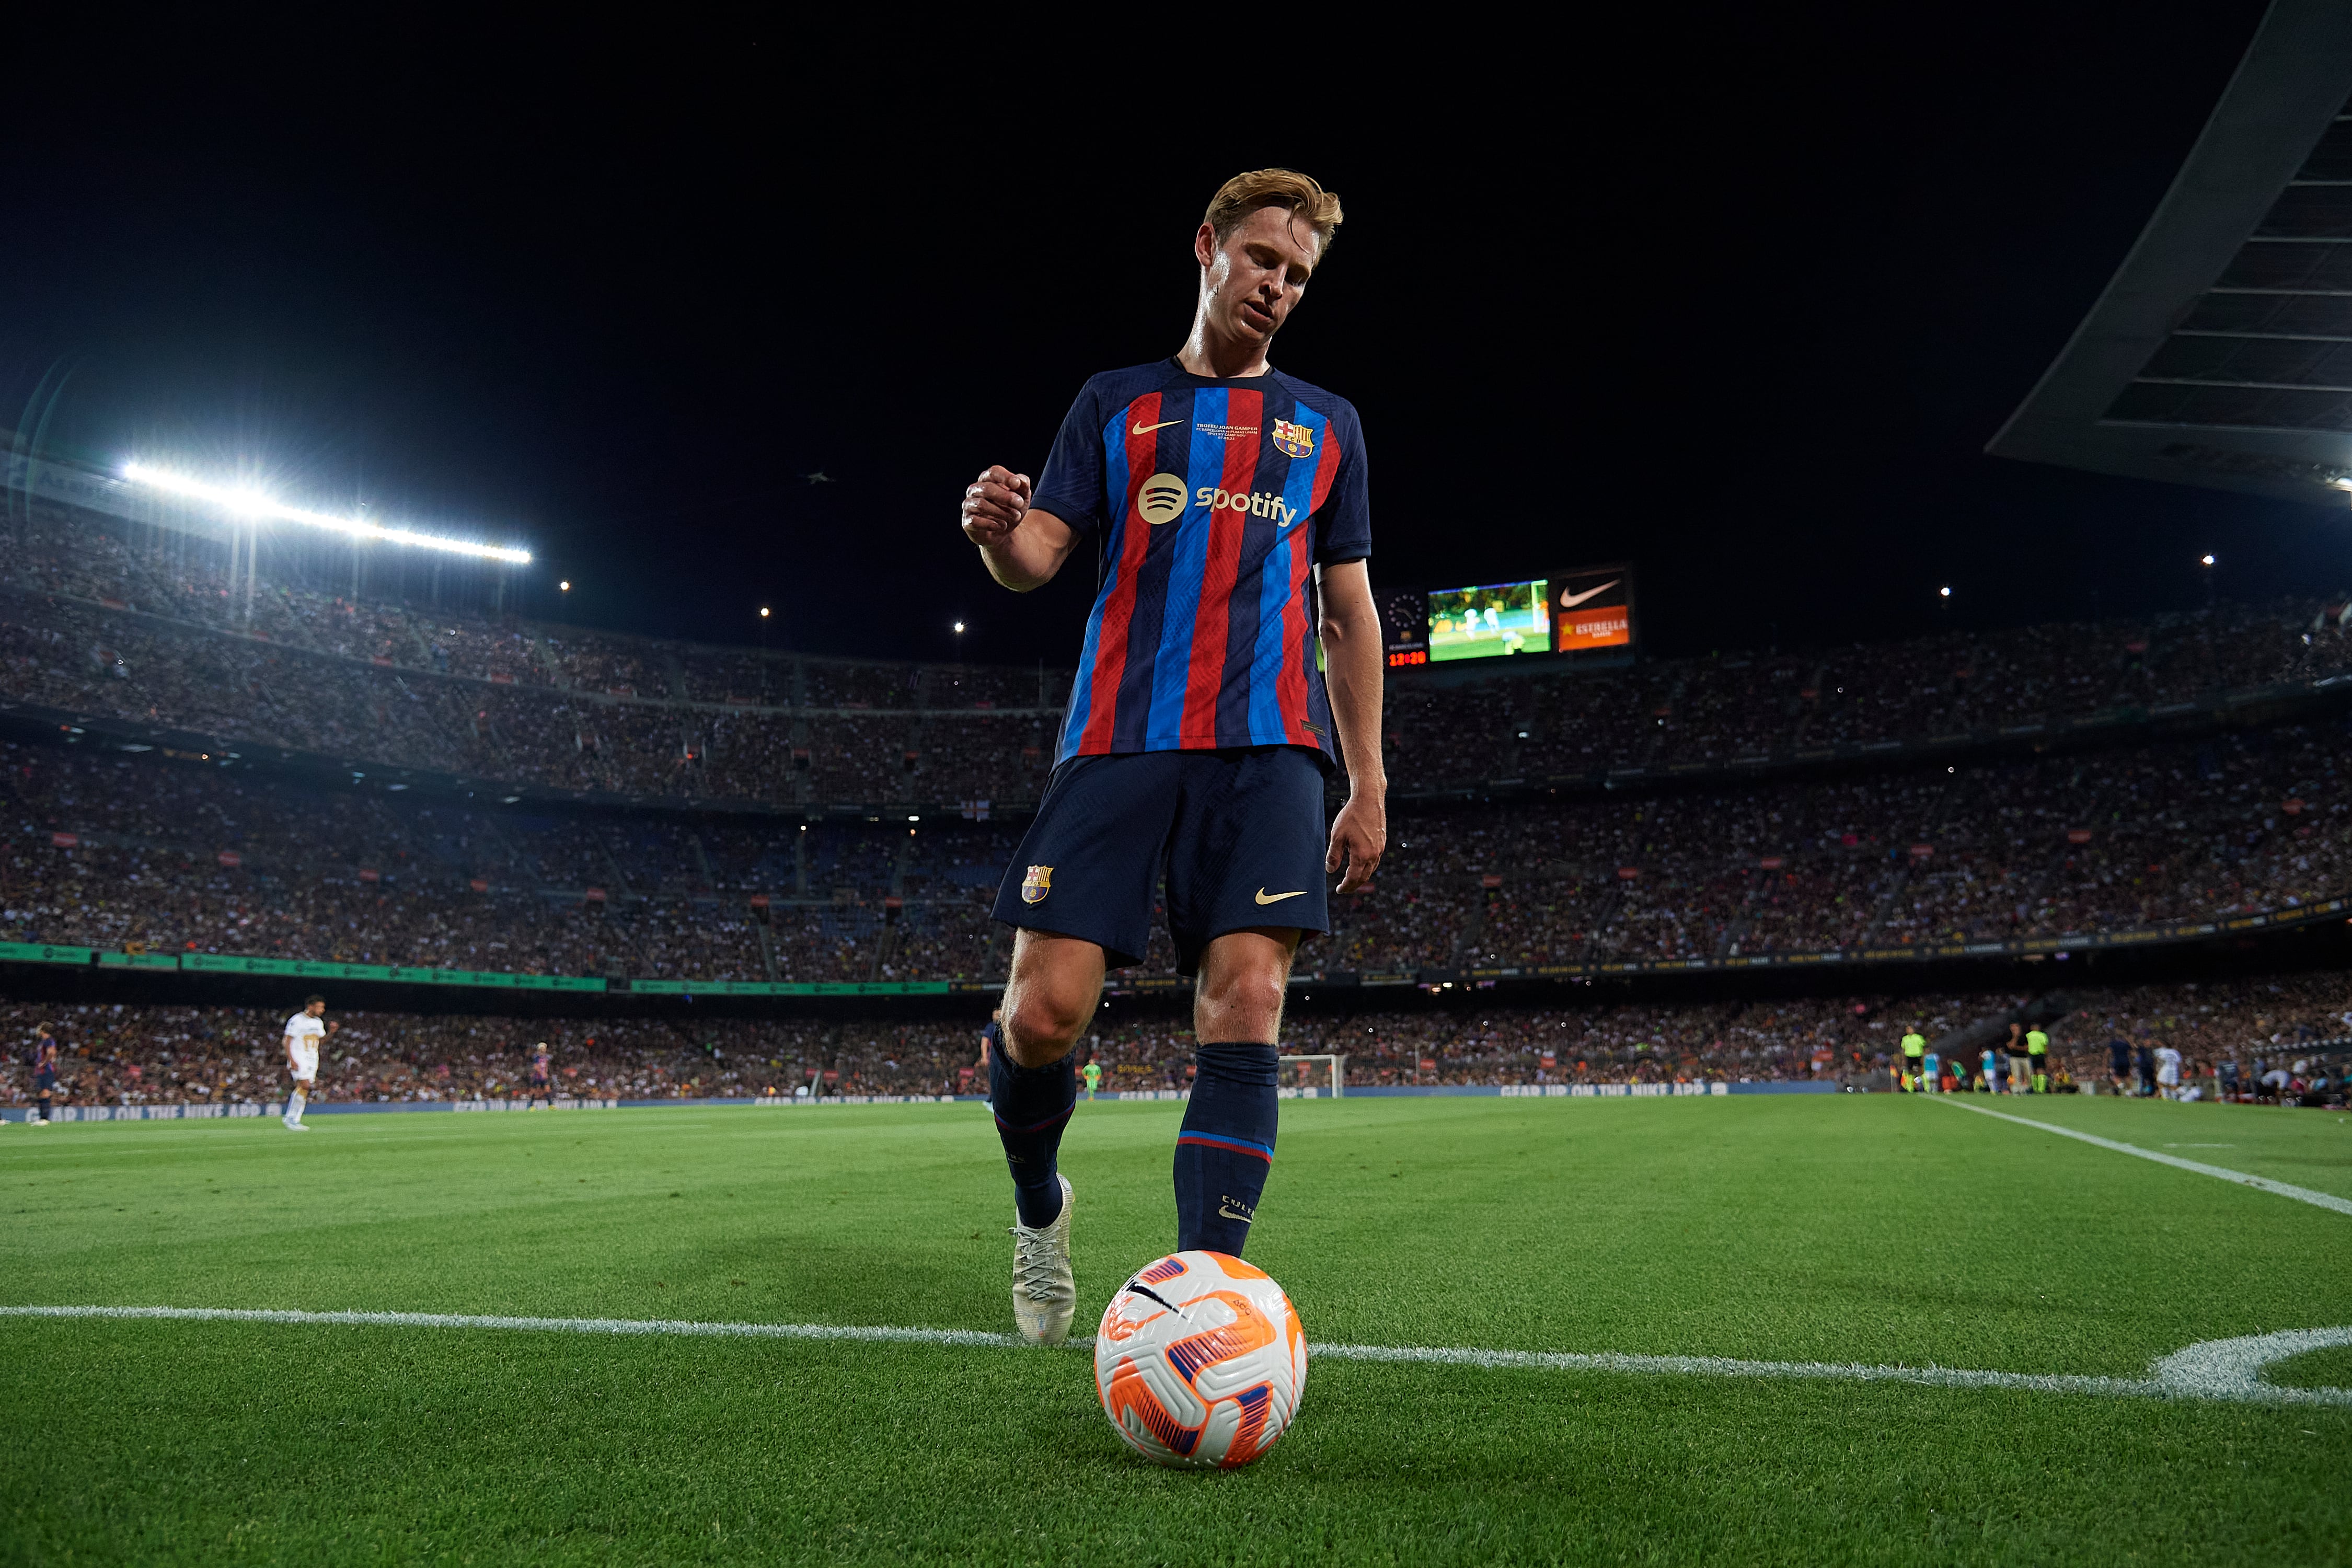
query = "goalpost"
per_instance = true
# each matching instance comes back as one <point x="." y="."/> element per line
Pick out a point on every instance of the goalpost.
<point x="1339" y="1069"/>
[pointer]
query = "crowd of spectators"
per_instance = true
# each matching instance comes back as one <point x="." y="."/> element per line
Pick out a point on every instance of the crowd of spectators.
<point x="168" y="853"/>
<point x="132" y="1056"/>
<point x="151" y="855"/>
<point x="159" y="630"/>
<point x="1714" y="711"/>
<point x="2282" y="1038"/>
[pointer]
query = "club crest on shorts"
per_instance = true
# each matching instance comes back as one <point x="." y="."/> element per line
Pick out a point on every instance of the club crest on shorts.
<point x="1036" y="884"/>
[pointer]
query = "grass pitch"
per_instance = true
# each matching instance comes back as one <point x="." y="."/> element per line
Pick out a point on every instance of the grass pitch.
<point x="1876" y="1230"/>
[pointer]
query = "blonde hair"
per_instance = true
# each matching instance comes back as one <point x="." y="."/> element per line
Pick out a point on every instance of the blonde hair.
<point x="1246" y="192"/>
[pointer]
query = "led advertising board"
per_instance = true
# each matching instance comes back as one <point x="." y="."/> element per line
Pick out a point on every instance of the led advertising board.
<point x="1590" y="608"/>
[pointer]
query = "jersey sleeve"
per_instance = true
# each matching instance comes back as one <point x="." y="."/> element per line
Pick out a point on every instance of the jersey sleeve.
<point x="1071" y="487"/>
<point x="1343" y="529"/>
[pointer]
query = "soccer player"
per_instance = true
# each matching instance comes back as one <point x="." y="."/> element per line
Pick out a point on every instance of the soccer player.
<point x="45" y="1072"/>
<point x="2037" y="1059"/>
<point x="991" y="1037"/>
<point x="2167" y="1072"/>
<point x="542" y="1079"/>
<point x="1915" y="1064"/>
<point x="1988" y="1072"/>
<point x="2021" y="1068"/>
<point x="2119" y="1063"/>
<point x="1092" y="1076"/>
<point x="303" y="1032"/>
<point x="1229" y="501"/>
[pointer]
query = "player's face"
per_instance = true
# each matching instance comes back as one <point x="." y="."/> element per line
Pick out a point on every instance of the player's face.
<point x="1256" y="277"/>
<point x="316" y="1009"/>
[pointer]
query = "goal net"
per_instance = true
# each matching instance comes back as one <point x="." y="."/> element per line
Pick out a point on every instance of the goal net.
<point x="1304" y="1071"/>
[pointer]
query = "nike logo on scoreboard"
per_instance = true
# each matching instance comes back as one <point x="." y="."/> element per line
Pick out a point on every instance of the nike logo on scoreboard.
<point x="1265" y="897"/>
<point x="1569" y="601"/>
<point x="1141" y="429"/>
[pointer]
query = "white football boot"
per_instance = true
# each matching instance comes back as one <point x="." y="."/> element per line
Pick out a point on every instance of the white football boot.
<point x="1045" y="1292"/>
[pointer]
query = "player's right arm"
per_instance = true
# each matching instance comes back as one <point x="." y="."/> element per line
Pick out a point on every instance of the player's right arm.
<point x="1024" y="546"/>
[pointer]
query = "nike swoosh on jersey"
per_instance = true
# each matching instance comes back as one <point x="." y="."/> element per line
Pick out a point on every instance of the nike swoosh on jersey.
<point x="1569" y="601"/>
<point x="1265" y="897"/>
<point x="1141" y="429"/>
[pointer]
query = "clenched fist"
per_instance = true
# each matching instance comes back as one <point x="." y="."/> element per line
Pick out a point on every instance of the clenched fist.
<point x="993" y="506"/>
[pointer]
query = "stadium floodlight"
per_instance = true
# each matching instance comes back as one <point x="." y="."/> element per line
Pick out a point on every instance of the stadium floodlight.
<point x="763" y="612"/>
<point x="565" y="584"/>
<point x="253" y="503"/>
<point x="2207" y="560"/>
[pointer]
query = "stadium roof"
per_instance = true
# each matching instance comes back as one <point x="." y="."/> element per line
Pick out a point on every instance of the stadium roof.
<point x="2220" y="353"/>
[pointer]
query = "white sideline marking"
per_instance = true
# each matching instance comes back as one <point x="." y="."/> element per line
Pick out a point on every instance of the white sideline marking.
<point x="544" y="1325"/>
<point x="2261" y="1184"/>
<point x="2211" y="1369"/>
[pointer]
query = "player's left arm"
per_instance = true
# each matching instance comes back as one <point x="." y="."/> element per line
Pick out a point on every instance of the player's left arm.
<point x="1351" y="656"/>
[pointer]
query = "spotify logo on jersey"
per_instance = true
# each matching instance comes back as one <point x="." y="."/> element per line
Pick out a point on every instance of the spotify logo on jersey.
<point x="1161" y="498"/>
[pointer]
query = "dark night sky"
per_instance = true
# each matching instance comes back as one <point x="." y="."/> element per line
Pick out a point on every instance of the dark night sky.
<point x="1739" y="300"/>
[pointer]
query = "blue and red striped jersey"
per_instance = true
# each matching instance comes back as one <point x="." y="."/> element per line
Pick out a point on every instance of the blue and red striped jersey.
<point x="1214" y="499"/>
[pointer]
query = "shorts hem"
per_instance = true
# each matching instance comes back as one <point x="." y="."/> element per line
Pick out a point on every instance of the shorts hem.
<point x="1114" y="956"/>
<point x="1193" y="968"/>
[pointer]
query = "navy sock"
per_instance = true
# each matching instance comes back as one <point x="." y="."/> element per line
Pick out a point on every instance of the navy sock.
<point x="1225" y="1150"/>
<point x="1031" y="1105"/>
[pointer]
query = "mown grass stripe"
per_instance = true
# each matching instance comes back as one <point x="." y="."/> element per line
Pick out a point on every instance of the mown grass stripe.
<point x="2183" y="1375"/>
<point x="2260" y="1184"/>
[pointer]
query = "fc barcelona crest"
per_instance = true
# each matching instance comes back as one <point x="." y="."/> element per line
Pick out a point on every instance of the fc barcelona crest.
<point x="1036" y="884"/>
<point x="1294" y="440"/>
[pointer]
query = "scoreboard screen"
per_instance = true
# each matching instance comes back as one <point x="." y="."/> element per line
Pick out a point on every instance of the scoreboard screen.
<point x="1577" y="611"/>
<point x="1490" y="621"/>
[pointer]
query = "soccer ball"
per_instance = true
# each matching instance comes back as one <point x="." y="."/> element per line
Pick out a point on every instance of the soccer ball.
<point x="1200" y="1362"/>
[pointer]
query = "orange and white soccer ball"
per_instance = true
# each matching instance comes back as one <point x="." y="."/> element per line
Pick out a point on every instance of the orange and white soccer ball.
<point x="1200" y="1362"/>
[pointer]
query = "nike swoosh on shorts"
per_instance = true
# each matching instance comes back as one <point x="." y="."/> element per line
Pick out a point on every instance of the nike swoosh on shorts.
<point x="1265" y="897"/>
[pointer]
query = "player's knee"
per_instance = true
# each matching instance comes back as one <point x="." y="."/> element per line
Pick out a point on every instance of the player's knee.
<point x="1243" y="1000"/>
<point x="1043" y="1017"/>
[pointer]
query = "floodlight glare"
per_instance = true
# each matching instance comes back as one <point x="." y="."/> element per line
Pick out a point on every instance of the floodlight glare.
<point x="253" y="503"/>
<point x="2209" y="561"/>
<point x="1944" y="593"/>
<point x="565" y="584"/>
<point x="763" y="612"/>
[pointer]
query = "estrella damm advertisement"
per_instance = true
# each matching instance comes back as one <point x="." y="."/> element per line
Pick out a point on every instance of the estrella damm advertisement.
<point x="1590" y="608"/>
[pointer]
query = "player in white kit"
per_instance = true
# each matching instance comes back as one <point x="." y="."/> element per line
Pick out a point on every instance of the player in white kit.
<point x="303" y="1032"/>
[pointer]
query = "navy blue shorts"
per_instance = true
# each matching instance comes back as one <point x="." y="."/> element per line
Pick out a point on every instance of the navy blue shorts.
<point x="1238" y="834"/>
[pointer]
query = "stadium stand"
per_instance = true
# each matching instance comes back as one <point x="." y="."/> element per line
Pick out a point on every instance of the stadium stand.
<point x="128" y="1055"/>
<point x="645" y="813"/>
<point x="162" y="854"/>
<point x="92" y="626"/>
